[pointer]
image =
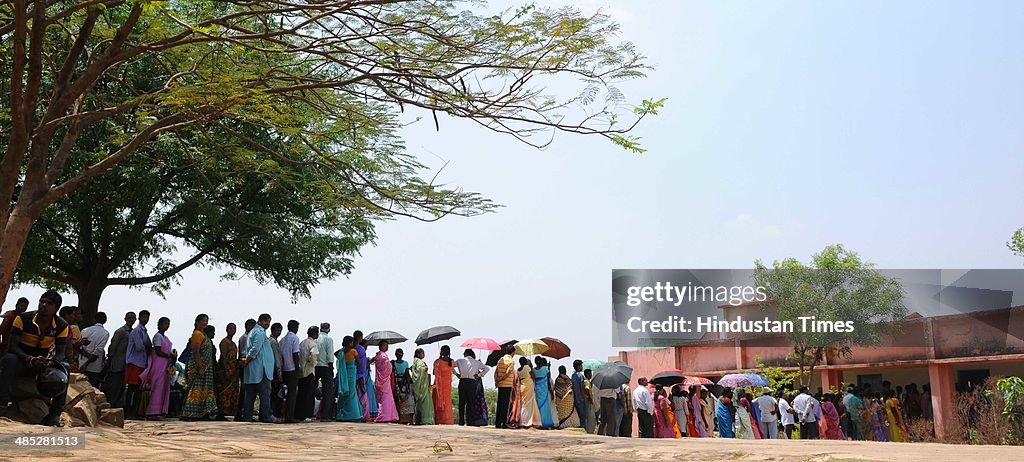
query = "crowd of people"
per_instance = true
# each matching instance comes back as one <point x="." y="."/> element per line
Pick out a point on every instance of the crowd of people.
<point x="271" y="375"/>
<point x="693" y="411"/>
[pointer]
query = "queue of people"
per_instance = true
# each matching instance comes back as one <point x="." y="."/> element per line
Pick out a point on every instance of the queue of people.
<point x="295" y="380"/>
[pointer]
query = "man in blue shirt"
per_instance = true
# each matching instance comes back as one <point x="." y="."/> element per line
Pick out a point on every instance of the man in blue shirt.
<point x="580" y="400"/>
<point x="258" y="360"/>
<point x="136" y="359"/>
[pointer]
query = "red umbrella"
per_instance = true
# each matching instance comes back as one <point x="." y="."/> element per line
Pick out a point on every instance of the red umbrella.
<point x="694" y="380"/>
<point x="482" y="343"/>
<point x="557" y="349"/>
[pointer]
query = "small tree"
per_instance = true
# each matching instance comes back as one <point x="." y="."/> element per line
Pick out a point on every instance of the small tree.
<point x="778" y="379"/>
<point x="836" y="286"/>
<point x="1016" y="243"/>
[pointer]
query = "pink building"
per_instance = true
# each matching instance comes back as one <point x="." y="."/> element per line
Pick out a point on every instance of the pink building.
<point x="943" y="351"/>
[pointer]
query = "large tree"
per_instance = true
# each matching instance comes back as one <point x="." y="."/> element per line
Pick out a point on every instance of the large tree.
<point x="278" y="65"/>
<point x="835" y="286"/>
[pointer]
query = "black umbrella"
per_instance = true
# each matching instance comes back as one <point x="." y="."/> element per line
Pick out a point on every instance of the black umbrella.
<point x="436" y="334"/>
<point x="612" y="375"/>
<point x="392" y="337"/>
<point x="669" y="377"/>
<point x="495" y="356"/>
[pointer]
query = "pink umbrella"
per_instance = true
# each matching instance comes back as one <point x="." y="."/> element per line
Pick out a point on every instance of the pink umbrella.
<point x="482" y="343"/>
<point x="694" y="380"/>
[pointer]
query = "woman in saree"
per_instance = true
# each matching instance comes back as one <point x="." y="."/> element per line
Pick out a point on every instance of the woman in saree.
<point x="897" y="429"/>
<point x="514" y="405"/>
<point x="529" y="414"/>
<point x="542" y="390"/>
<point x="402" y="378"/>
<point x="200" y="397"/>
<point x="383" y="387"/>
<point x="442" y="390"/>
<point x="700" y="430"/>
<point x="755" y="416"/>
<point x="828" y="410"/>
<point x="681" y="405"/>
<point x="879" y="422"/>
<point x="564" y="400"/>
<point x="477" y="408"/>
<point x="229" y="384"/>
<point x="708" y="403"/>
<point x="156" y="378"/>
<point x="665" y="425"/>
<point x="724" y="411"/>
<point x="421" y="389"/>
<point x="371" y="394"/>
<point x="348" y="400"/>
<point x="744" y="428"/>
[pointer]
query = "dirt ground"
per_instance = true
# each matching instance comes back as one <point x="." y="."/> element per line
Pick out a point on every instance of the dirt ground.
<point x="214" y="441"/>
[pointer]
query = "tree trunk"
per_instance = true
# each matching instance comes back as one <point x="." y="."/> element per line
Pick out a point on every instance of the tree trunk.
<point x="89" y="300"/>
<point x="12" y="243"/>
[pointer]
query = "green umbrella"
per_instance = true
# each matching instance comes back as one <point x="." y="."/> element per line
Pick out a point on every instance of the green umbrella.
<point x="593" y="364"/>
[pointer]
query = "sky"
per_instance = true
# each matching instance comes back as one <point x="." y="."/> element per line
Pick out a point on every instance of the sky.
<point x="890" y="127"/>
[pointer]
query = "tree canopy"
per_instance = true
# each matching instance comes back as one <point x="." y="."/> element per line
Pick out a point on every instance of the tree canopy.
<point x="312" y="79"/>
<point x="836" y="285"/>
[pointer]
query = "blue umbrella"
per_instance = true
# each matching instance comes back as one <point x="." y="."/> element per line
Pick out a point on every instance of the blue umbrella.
<point x="759" y="380"/>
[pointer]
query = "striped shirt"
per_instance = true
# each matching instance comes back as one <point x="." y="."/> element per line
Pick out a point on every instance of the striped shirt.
<point x="36" y="340"/>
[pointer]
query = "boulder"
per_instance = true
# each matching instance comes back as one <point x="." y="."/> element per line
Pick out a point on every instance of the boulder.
<point x="85" y="411"/>
<point x="31" y="410"/>
<point x="76" y="377"/>
<point x="99" y="397"/>
<point x="101" y="406"/>
<point x="114" y="416"/>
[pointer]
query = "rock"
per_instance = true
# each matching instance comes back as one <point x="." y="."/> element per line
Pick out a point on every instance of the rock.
<point x="32" y="410"/>
<point x="113" y="416"/>
<point x="78" y="388"/>
<point x="99" y="397"/>
<point x="102" y="406"/>
<point x="85" y="411"/>
<point x="76" y="377"/>
<point x="72" y="421"/>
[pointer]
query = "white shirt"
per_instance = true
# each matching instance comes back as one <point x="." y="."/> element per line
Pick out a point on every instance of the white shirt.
<point x="98" y="337"/>
<point x="325" y="350"/>
<point x="766" y="404"/>
<point x="470" y="368"/>
<point x="784" y="407"/>
<point x="805" y="406"/>
<point x="307" y="354"/>
<point x="642" y="399"/>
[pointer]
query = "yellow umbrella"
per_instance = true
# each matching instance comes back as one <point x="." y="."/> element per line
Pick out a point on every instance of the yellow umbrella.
<point x="531" y="347"/>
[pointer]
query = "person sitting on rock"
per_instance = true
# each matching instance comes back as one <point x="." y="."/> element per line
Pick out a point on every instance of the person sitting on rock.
<point x="32" y="335"/>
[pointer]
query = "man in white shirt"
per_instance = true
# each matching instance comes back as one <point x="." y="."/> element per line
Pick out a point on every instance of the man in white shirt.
<point x="643" y="403"/>
<point x="91" y="360"/>
<point x="308" y="352"/>
<point x="806" y="410"/>
<point x="289" y="373"/>
<point x="325" y="372"/>
<point x="768" y="408"/>
<point x="468" y="369"/>
<point x="609" y="419"/>
<point x="787" y="414"/>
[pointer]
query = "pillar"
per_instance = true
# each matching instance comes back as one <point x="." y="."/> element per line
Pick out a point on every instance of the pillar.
<point x="941" y="378"/>
<point x="831" y="379"/>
